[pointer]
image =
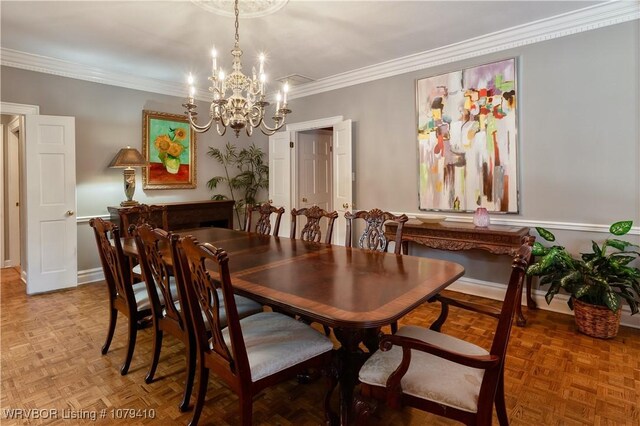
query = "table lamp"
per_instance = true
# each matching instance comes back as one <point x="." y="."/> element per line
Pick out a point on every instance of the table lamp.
<point x="128" y="158"/>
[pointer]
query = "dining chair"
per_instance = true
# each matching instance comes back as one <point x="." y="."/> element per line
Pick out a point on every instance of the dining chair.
<point x="166" y="290"/>
<point x="311" y="230"/>
<point x="132" y="300"/>
<point x="263" y="224"/>
<point x="373" y="237"/>
<point x="252" y="353"/>
<point x="447" y="376"/>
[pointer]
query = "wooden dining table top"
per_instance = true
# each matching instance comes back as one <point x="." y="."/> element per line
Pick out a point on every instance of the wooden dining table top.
<point x="334" y="285"/>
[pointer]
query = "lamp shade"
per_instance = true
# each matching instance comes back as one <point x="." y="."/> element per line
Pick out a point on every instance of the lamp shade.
<point x="128" y="157"/>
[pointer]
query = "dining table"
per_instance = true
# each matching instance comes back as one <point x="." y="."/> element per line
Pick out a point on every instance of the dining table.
<point x="354" y="291"/>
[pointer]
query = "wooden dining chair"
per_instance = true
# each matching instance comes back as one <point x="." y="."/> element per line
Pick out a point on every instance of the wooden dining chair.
<point x="167" y="295"/>
<point x="442" y="374"/>
<point x="132" y="300"/>
<point x="252" y="353"/>
<point x="311" y="230"/>
<point x="373" y="237"/>
<point x="263" y="224"/>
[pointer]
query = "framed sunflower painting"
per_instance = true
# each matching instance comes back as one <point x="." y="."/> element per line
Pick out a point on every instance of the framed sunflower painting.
<point x="169" y="145"/>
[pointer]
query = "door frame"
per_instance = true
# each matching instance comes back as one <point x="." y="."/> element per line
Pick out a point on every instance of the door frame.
<point x="301" y="127"/>
<point x="14" y="135"/>
<point x="11" y="108"/>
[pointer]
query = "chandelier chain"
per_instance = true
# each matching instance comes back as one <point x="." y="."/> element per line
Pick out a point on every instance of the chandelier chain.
<point x="237" y="12"/>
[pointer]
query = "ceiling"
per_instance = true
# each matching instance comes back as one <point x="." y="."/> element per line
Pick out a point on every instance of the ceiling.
<point x="317" y="39"/>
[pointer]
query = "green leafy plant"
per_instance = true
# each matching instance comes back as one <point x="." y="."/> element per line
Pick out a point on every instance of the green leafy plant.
<point x="603" y="277"/>
<point x="251" y="175"/>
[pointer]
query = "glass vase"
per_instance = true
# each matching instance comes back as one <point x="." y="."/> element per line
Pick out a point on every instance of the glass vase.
<point x="481" y="217"/>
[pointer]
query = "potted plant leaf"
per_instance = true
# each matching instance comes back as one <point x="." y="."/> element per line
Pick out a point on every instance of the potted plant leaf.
<point x="598" y="282"/>
<point x="251" y="175"/>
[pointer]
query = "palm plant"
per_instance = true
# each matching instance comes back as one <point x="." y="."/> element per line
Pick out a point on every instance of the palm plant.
<point x="252" y="175"/>
<point x="603" y="277"/>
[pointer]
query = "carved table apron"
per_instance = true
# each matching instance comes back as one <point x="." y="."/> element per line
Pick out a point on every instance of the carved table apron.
<point x="496" y="239"/>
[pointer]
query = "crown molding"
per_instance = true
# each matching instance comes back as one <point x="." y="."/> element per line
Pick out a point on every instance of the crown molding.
<point x="590" y="18"/>
<point x="594" y="17"/>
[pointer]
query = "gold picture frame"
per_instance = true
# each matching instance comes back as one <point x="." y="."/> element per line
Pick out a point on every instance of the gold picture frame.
<point x="169" y="146"/>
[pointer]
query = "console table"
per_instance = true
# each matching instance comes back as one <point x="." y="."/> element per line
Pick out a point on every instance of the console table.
<point x="191" y="214"/>
<point x="496" y="239"/>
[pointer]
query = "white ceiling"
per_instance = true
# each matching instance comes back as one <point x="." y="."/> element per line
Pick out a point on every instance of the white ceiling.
<point x="318" y="39"/>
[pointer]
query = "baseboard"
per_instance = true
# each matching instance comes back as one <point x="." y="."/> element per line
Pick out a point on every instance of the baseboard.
<point x="90" y="275"/>
<point x="496" y="291"/>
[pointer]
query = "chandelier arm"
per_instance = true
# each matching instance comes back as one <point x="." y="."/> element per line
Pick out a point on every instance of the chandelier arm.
<point x="224" y="129"/>
<point x="196" y="127"/>
<point x="272" y="129"/>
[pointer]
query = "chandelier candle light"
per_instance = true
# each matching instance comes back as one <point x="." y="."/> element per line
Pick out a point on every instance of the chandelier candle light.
<point x="246" y="106"/>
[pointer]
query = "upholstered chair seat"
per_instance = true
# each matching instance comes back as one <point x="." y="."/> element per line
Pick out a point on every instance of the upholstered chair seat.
<point x="244" y="305"/>
<point x="430" y="377"/>
<point x="142" y="296"/>
<point x="276" y="342"/>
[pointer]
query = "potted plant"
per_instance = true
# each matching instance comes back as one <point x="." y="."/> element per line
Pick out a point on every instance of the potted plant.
<point x="252" y="175"/>
<point x="598" y="282"/>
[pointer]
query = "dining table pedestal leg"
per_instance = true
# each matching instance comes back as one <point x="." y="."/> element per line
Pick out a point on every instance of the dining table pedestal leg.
<point x="350" y="358"/>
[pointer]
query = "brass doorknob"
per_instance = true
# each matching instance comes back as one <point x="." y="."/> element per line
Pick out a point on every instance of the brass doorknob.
<point x="270" y="201"/>
<point x="345" y="205"/>
<point x="70" y="212"/>
<point x="304" y="200"/>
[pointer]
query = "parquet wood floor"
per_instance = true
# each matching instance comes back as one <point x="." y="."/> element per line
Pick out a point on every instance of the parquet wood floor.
<point x="50" y="359"/>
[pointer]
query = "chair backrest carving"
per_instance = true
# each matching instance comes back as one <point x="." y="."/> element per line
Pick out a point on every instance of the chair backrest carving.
<point x="205" y="268"/>
<point x="114" y="262"/>
<point x="154" y="252"/>
<point x="155" y="216"/>
<point x="311" y="230"/>
<point x="263" y="225"/>
<point x="373" y="237"/>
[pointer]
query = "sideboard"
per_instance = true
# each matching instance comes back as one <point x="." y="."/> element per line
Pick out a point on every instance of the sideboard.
<point x="191" y="214"/>
<point x="496" y="239"/>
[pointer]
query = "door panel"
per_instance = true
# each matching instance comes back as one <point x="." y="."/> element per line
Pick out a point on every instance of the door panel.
<point x="51" y="231"/>
<point x="314" y="169"/>
<point x="342" y="176"/>
<point x="280" y="176"/>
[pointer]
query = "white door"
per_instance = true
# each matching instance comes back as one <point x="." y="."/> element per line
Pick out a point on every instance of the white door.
<point x="280" y="176"/>
<point x="314" y="169"/>
<point x="12" y="250"/>
<point x="51" y="229"/>
<point x="342" y="177"/>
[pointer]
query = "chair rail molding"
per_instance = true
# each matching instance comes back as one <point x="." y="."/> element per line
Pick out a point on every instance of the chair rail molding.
<point x="590" y="18"/>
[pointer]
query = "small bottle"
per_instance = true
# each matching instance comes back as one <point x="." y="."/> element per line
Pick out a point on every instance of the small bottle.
<point x="481" y="217"/>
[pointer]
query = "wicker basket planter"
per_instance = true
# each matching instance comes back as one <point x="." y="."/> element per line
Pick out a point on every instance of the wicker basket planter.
<point x="596" y="321"/>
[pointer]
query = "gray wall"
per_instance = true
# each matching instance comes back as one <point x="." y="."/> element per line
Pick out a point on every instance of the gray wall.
<point x="107" y="118"/>
<point x="578" y="133"/>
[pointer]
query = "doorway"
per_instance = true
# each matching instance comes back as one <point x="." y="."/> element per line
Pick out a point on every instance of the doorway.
<point x="315" y="167"/>
<point x="11" y="190"/>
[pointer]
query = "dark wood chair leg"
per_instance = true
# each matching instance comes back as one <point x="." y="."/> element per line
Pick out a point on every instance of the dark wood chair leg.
<point x="246" y="409"/>
<point x="203" y="381"/>
<point x="331" y="372"/>
<point x="444" y="313"/>
<point x="363" y="408"/>
<point x="113" y="318"/>
<point x="394" y="327"/>
<point x="501" y="407"/>
<point x="131" y="344"/>
<point x="191" y="372"/>
<point x="155" y="357"/>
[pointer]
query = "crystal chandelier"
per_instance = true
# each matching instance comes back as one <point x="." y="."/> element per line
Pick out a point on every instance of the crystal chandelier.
<point x="245" y="107"/>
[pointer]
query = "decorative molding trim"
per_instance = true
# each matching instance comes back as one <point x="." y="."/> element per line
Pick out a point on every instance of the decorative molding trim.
<point x="11" y="108"/>
<point x="590" y="18"/>
<point x="43" y="64"/>
<point x="90" y="275"/>
<point x="497" y="291"/>
<point x="23" y="276"/>
<point x="315" y="124"/>
<point x="86" y="219"/>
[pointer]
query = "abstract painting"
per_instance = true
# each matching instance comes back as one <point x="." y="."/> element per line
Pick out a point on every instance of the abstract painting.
<point x="467" y="139"/>
<point x="169" y="145"/>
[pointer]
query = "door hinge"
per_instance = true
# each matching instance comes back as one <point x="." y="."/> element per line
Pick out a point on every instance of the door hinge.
<point x="330" y="148"/>
<point x="290" y="144"/>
